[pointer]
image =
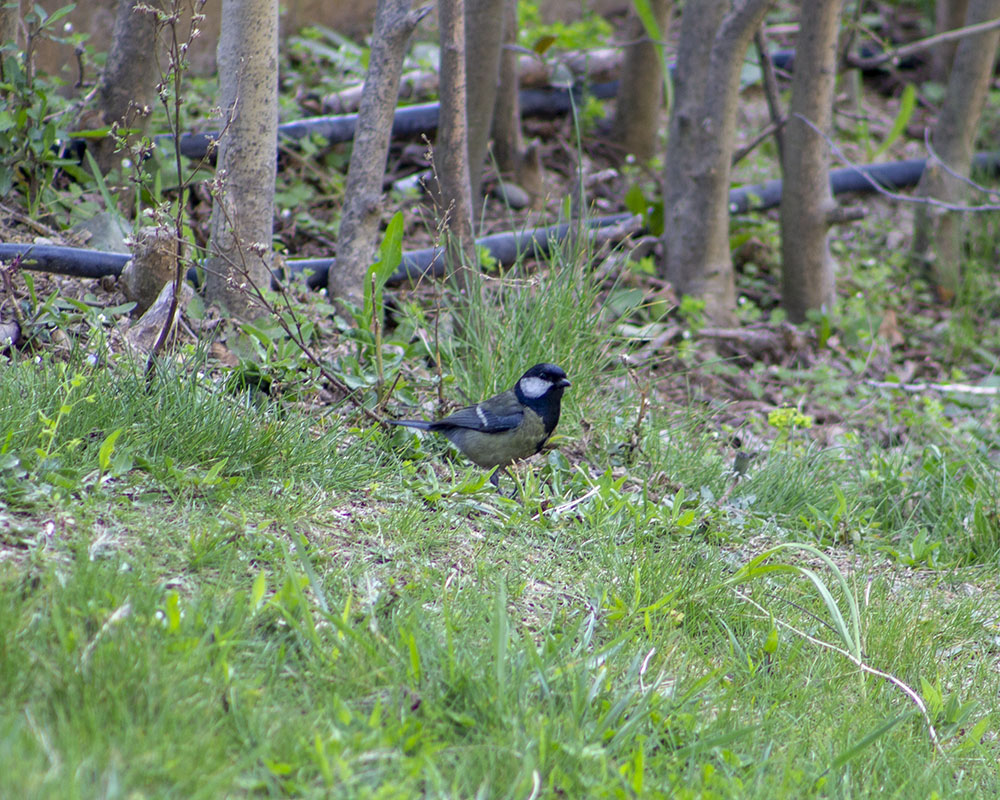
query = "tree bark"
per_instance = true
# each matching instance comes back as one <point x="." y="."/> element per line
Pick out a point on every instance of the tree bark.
<point x="451" y="153"/>
<point x="807" y="276"/>
<point x="697" y="261"/>
<point x="508" y="138"/>
<point x="483" y="37"/>
<point x="938" y="233"/>
<point x="362" y="213"/>
<point x="243" y="213"/>
<point x="948" y="15"/>
<point x="10" y="30"/>
<point x="640" y="94"/>
<point x="128" y="80"/>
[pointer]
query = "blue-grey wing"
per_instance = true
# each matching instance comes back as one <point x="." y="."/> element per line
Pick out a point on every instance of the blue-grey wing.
<point x="498" y="414"/>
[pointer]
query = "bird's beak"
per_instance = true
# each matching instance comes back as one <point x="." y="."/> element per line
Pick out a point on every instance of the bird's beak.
<point x="564" y="382"/>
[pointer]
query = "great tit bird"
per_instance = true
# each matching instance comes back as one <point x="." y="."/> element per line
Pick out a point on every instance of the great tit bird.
<point x="508" y="427"/>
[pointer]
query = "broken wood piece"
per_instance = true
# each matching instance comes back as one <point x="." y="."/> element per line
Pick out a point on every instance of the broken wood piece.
<point x="142" y="336"/>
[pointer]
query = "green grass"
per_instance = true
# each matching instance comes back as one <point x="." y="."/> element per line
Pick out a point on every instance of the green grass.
<point x="439" y="666"/>
<point x="209" y="591"/>
<point x="245" y="596"/>
<point x="388" y="647"/>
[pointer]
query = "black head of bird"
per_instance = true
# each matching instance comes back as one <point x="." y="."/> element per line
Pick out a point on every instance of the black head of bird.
<point x="507" y="427"/>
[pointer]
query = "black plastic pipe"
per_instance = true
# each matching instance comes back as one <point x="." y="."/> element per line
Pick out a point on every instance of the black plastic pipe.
<point x="412" y="120"/>
<point x="408" y="122"/>
<point x="504" y="247"/>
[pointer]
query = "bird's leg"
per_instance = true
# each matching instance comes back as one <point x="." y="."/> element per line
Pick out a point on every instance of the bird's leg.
<point x="495" y="480"/>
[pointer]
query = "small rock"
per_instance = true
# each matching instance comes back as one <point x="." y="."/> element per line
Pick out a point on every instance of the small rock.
<point x="512" y="195"/>
<point x="107" y="232"/>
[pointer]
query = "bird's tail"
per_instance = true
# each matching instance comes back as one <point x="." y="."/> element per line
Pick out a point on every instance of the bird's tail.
<point x="419" y="424"/>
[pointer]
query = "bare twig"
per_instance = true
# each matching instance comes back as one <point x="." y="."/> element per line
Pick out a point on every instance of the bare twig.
<point x="898" y="53"/>
<point x="770" y="92"/>
<point x="24" y="219"/>
<point x="642" y="386"/>
<point x="910" y="693"/>
<point x="852" y="33"/>
<point x="118" y="615"/>
<point x="7" y="271"/>
<point x="963" y="178"/>
<point x="386" y="396"/>
<point x="174" y="72"/>
<point x="293" y="331"/>
<point x="571" y="504"/>
<point x="904" y="198"/>
<point x="747" y="149"/>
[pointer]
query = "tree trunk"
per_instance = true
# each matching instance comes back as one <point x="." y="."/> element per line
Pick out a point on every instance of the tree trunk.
<point x="451" y="153"/>
<point x="128" y="80"/>
<point x="640" y="94"/>
<point x="362" y="212"/>
<point x="483" y="37"/>
<point x="938" y="235"/>
<point x="508" y="138"/>
<point x="713" y="43"/>
<point x="948" y="15"/>
<point x="243" y="213"/>
<point x="10" y="31"/>
<point x="807" y="276"/>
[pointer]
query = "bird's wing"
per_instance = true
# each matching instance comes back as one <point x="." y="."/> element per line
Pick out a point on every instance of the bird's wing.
<point x="498" y="414"/>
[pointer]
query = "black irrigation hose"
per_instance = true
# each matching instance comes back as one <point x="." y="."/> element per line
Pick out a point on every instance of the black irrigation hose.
<point x="504" y="247"/>
<point x="422" y="118"/>
<point x="890" y="175"/>
<point x="412" y="120"/>
<point x="74" y="261"/>
<point x="409" y="121"/>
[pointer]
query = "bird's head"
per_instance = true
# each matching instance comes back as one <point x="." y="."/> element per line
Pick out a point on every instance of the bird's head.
<point x="541" y="389"/>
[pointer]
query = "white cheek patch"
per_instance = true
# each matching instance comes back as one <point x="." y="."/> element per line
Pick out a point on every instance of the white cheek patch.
<point x="534" y="387"/>
<point x="482" y="416"/>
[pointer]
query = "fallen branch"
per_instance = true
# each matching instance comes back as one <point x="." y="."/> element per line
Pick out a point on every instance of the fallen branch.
<point x="534" y="72"/>
<point x="957" y="388"/>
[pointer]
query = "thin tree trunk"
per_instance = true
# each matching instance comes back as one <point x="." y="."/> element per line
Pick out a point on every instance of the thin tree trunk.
<point x="483" y="37"/>
<point x="10" y="30"/>
<point x="948" y="15"/>
<point x="128" y="80"/>
<point x="362" y="213"/>
<point x="713" y="43"/>
<point x="938" y="233"/>
<point x="508" y="138"/>
<point x="451" y="150"/>
<point x="243" y="213"/>
<point x="640" y="94"/>
<point x="806" y="201"/>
